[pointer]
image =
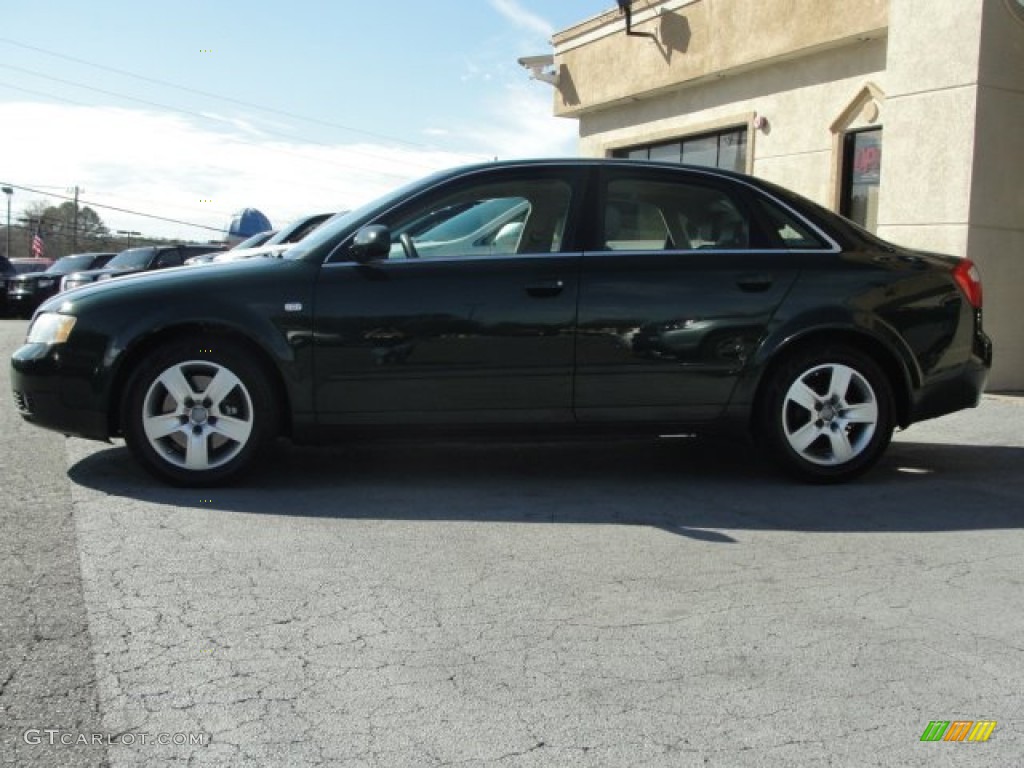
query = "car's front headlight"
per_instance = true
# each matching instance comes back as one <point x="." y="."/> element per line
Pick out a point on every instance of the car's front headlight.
<point x="46" y="282"/>
<point x="50" y="328"/>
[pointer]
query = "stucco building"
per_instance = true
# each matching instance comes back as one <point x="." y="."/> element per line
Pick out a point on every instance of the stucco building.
<point x="905" y="115"/>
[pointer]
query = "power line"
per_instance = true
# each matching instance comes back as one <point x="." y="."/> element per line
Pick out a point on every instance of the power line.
<point x="306" y="184"/>
<point x="208" y="94"/>
<point x="212" y="118"/>
<point x="62" y="231"/>
<point x="121" y="210"/>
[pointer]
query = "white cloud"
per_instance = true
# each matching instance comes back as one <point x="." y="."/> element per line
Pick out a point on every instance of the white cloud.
<point x="177" y="167"/>
<point x="522" y="125"/>
<point x="523" y="18"/>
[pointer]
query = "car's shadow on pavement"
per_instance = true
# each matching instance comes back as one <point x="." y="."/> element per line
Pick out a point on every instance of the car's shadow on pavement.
<point x="691" y="487"/>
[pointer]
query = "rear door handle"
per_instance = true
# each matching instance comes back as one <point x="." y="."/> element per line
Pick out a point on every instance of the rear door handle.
<point x="755" y="283"/>
<point x="545" y="288"/>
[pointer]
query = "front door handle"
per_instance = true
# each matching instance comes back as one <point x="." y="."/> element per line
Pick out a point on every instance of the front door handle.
<point x="755" y="283"/>
<point x="545" y="288"/>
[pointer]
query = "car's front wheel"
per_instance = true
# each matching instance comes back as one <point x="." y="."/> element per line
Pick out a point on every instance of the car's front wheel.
<point x="196" y="412"/>
<point x="828" y="414"/>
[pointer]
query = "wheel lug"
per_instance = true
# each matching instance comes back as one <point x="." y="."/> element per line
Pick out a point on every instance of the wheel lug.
<point x="819" y="423"/>
<point x="189" y="402"/>
<point x="207" y="402"/>
<point x="197" y="430"/>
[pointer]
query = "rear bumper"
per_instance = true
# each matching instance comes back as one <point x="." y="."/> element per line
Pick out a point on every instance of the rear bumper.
<point x="956" y="389"/>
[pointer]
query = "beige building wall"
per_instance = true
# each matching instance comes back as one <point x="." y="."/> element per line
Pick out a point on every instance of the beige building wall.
<point x="953" y="155"/>
<point x="996" y="233"/>
<point x="943" y="78"/>
<point x="797" y="99"/>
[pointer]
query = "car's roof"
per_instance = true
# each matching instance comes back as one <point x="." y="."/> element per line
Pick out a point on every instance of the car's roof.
<point x="609" y="162"/>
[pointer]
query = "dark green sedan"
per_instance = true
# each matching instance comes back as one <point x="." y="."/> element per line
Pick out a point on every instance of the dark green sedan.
<point x="545" y="297"/>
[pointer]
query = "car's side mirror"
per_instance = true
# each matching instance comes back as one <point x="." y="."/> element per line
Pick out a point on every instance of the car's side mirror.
<point x="371" y="243"/>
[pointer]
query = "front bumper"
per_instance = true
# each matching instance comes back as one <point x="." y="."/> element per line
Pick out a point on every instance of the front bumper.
<point x="24" y="303"/>
<point x="51" y="394"/>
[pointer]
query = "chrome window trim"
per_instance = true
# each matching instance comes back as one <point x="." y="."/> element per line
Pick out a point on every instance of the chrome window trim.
<point x="460" y="259"/>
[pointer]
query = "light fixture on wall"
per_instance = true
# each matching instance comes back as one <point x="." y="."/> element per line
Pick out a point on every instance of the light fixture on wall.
<point x="541" y="68"/>
<point x="626" y="8"/>
<point x="760" y="122"/>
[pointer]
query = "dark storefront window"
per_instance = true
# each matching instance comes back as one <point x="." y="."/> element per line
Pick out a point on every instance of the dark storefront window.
<point x="862" y="166"/>
<point x="725" y="149"/>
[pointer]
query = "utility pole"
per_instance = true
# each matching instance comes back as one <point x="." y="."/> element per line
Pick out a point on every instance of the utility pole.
<point x="8" y="191"/>
<point x="129" y="233"/>
<point x="74" y="231"/>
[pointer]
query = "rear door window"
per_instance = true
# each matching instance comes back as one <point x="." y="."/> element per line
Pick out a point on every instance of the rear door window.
<point x="644" y="214"/>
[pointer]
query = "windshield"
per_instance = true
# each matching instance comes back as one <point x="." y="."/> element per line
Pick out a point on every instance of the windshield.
<point x="255" y="240"/>
<point x="133" y="257"/>
<point x="298" y="229"/>
<point x="24" y="267"/>
<point x="72" y="263"/>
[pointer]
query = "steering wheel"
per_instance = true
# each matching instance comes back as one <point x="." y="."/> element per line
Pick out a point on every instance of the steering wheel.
<point x="408" y="246"/>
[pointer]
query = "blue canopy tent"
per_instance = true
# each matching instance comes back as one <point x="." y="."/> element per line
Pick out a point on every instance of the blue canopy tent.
<point x="247" y="223"/>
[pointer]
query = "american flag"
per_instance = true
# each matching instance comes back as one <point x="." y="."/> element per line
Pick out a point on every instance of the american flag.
<point x="38" y="246"/>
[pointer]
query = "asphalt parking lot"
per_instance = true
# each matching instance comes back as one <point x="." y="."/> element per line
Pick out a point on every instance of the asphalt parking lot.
<point x="634" y="603"/>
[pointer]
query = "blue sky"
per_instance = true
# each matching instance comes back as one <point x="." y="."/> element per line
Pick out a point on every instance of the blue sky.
<point x="193" y="110"/>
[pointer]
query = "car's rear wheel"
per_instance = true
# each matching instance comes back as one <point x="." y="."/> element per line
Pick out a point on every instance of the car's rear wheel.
<point x="196" y="412"/>
<point x="828" y="414"/>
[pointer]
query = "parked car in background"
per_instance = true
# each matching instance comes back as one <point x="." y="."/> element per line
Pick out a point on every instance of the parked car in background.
<point x="30" y="264"/>
<point x="280" y="242"/>
<point x="250" y="242"/>
<point x="27" y="291"/>
<point x="625" y="297"/>
<point x="7" y="272"/>
<point x="134" y="260"/>
<point x="258" y="239"/>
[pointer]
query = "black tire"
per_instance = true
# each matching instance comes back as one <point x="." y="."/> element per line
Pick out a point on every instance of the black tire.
<point x="827" y="415"/>
<point x="198" y="437"/>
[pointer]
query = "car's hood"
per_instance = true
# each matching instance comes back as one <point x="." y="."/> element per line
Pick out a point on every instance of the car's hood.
<point x="165" y="279"/>
<point x="263" y="251"/>
<point x="95" y="273"/>
<point x="26" y="277"/>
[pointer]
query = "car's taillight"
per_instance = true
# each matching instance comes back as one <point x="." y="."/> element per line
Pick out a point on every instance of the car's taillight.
<point x="968" y="278"/>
